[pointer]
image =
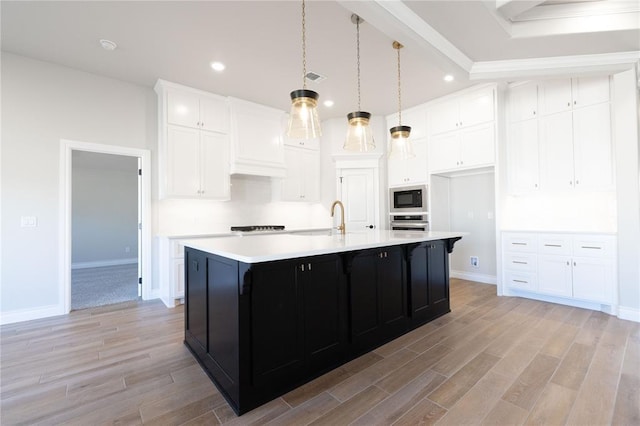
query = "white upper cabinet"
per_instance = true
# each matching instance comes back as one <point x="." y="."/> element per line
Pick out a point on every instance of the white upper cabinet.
<point x="566" y="94"/>
<point x="410" y="171"/>
<point x="523" y="102"/>
<point x="257" y="146"/>
<point x="462" y="111"/>
<point x="464" y="149"/>
<point x="302" y="182"/>
<point x="193" y="148"/>
<point x="206" y="112"/>
<point x="313" y="143"/>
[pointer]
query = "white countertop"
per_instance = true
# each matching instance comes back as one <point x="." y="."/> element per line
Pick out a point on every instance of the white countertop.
<point x="265" y="248"/>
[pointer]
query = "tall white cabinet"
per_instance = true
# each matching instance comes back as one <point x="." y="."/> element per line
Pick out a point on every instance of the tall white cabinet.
<point x="194" y="143"/>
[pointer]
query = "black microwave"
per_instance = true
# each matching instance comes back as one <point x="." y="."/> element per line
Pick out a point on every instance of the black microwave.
<point x="408" y="199"/>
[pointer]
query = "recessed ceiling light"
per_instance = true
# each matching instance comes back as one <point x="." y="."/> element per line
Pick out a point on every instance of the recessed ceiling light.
<point x="448" y="78"/>
<point x="328" y="103"/>
<point x="218" y="66"/>
<point x="108" y="44"/>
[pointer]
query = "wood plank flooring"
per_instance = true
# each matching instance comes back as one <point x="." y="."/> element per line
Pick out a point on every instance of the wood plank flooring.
<point x="492" y="360"/>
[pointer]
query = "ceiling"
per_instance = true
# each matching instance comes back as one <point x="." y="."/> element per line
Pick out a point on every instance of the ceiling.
<point x="260" y="43"/>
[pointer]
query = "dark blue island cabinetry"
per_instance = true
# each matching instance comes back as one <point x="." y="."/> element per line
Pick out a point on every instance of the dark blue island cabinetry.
<point x="262" y="329"/>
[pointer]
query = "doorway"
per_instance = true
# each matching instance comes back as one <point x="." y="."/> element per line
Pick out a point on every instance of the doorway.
<point x="97" y="239"/>
<point x="105" y="206"/>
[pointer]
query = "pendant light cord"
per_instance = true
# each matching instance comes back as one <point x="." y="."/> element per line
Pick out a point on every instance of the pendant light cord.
<point x="304" y="49"/>
<point x="358" y="55"/>
<point x="399" y="90"/>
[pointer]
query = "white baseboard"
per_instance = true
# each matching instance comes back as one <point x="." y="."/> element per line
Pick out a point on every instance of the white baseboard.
<point x="471" y="276"/>
<point x="31" y="314"/>
<point x="101" y="263"/>
<point x="631" y="314"/>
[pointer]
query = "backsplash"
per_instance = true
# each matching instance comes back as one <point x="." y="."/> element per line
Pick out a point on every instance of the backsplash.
<point x="251" y="204"/>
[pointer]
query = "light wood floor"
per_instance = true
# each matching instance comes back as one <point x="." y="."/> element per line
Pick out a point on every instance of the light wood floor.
<point x="490" y="361"/>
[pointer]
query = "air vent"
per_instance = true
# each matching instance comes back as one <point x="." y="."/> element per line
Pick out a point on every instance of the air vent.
<point x="316" y="78"/>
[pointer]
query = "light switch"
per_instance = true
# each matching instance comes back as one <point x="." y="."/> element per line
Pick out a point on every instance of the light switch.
<point x="28" y="221"/>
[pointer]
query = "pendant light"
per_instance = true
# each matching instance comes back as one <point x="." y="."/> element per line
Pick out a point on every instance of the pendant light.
<point x="400" y="143"/>
<point x="359" y="134"/>
<point x="303" y="119"/>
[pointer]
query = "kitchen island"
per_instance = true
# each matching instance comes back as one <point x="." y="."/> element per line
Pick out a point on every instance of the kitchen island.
<point x="267" y="313"/>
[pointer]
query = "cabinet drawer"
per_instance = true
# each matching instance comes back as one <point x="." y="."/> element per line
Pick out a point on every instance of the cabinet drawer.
<point x="521" y="262"/>
<point x="525" y="243"/>
<point x="594" y="246"/>
<point x="522" y="280"/>
<point x="554" y="244"/>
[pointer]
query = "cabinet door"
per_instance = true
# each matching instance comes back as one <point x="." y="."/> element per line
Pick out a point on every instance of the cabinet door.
<point x="196" y="312"/>
<point x="183" y="163"/>
<point x="476" y="107"/>
<point x="183" y="109"/>
<point x="556" y="149"/>
<point x="214" y="114"/>
<point x="325" y="313"/>
<point x="178" y="278"/>
<point x="555" y="96"/>
<point x="438" y="266"/>
<point x="590" y="90"/>
<point x="276" y="322"/>
<point x="364" y="296"/>
<point x="393" y="297"/>
<point x="444" y="151"/>
<point x="396" y="171"/>
<point x="593" y="151"/>
<point x="416" y="167"/>
<point x="444" y="116"/>
<point x="523" y="102"/>
<point x="214" y="166"/>
<point x="522" y="152"/>
<point x="554" y="275"/>
<point x="477" y="146"/>
<point x="429" y="281"/>
<point x="292" y="184"/>
<point x="356" y="190"/>
<point x="593" y="279"/>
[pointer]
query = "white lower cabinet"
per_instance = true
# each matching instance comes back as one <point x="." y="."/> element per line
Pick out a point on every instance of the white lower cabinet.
<point x="171" y="273"/>
<point x="574" y="266"/>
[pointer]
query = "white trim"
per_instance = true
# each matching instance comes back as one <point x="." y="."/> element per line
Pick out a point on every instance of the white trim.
<point x="64" y="267"/>
<point x="472" y="276"/>
<point x="594" y="306"/>
<point x="630" y="314"/>
<point x="102" y="263"/>
<point x="554" y="66"/>
<point x="30" y="314"/>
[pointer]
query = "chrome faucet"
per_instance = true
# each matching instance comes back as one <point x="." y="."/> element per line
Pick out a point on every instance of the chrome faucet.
<point x="341" y="228"/>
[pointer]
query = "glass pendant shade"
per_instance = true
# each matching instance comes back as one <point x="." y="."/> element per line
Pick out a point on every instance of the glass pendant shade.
<point x="303" y="119"/>
<point x="359" y="134"/>
<point x="401" y="146"/>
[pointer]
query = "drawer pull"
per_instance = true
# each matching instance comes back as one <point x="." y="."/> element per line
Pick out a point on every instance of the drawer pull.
<point x="553" y="245"/>
<point x="521" y="281"/>
<point x="592" y="247"/>
<point x="519" y="244"/>
<point x="520" y="262"/>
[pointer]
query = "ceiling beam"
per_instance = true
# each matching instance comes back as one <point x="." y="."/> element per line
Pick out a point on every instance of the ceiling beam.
<point x="400" y="23"/>
<point x="511" y="8"/>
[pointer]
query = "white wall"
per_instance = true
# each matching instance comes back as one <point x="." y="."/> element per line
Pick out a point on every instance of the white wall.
<point x="472" y="205"/>
<point x="104" y="210"/>
<point x="41" y="104"/>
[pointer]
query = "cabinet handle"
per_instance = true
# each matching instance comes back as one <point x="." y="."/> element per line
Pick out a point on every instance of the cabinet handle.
<point x="519" y="244"/>
<point x="570" y="183"/>
<point x="574" y="263"/>
<point x="577" y="182"/>
<point x="521" y="281"/>
<point x="535" y="185"/>
<point x="552" y="245"/>
<point x="568" y="103"/>
<point x="196" y="266"/>
<point x="302" y="267"/>
<point x="520" y="262"/>
<point x="309" y="265"/>
<point x="592" y="247"/>
<point x="534" y="113"/>
<point x="567" y="263"/>
<point x="575" y="102"/>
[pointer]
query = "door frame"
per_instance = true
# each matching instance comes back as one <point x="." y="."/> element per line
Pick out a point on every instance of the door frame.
<point x="144" y="254"/>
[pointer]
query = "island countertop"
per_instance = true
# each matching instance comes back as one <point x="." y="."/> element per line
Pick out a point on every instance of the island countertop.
<point x="266" y="248"/>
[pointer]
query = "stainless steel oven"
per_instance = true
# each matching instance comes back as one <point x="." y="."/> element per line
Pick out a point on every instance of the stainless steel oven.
<point x="408" y="199"/>
<point x="409" y="222"/>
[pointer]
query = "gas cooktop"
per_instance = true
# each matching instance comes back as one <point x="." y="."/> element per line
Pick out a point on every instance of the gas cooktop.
<point x="254" y="228"/>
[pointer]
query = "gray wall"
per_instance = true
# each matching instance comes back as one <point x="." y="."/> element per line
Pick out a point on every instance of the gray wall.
<point x="104" y="209"/>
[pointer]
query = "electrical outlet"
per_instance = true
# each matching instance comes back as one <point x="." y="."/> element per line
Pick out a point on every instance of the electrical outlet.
<point x="474" y="262"/>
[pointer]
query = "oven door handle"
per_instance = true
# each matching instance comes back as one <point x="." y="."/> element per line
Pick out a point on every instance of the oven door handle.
<point x="410" y="224"/>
